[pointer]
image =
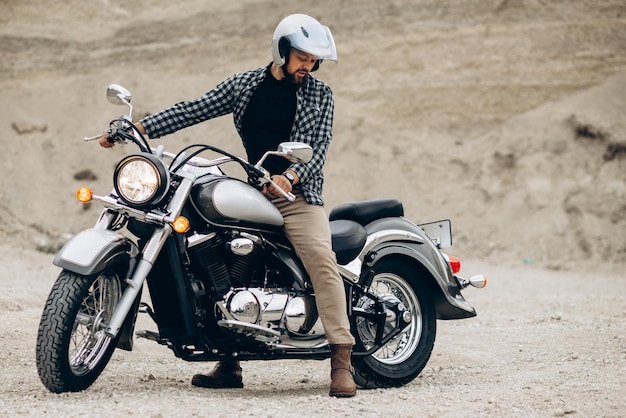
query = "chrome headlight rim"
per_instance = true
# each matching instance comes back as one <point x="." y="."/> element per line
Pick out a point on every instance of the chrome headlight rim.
<point x="128" y="172"/>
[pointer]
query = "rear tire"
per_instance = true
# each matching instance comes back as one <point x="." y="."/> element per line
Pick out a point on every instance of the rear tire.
<point x="402" y="359"/>
<point x="72" y="348"/>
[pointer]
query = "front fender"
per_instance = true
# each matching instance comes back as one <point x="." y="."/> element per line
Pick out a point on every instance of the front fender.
<point x="90" y="251"/>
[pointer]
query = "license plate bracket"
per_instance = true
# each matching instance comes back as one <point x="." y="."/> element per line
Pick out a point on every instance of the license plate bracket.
<point x="440" y="232"/>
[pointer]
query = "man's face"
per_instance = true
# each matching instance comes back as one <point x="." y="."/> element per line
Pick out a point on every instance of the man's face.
<point x="299" y="65"/>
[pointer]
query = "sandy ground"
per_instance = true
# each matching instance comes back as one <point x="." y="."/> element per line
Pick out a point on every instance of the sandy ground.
<point x="505" y="116"/>
<point x="544" y="344"/>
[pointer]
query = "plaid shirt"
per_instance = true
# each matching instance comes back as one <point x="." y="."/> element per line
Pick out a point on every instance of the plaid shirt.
<point x="312" y="123"/>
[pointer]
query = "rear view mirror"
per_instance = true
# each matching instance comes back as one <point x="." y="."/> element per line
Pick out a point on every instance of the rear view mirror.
<point x="296" y="151"/>
<point x="118" y="95"/>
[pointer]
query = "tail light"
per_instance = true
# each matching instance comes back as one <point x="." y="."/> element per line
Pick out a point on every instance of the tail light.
<point x="455" y="264"/>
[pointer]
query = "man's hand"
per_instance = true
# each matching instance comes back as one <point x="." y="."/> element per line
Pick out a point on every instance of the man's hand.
<point x="282" y="182"/>
<point x="104" y="141"/>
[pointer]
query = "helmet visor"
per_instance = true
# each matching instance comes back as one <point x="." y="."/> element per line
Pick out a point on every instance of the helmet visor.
<point x="315" y="40"/>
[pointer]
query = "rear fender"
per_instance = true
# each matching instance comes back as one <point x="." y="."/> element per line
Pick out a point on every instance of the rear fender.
<point x="449" y="303"/>
<point x="90" y="251"/>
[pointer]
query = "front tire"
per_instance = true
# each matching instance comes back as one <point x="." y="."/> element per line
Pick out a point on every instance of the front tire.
<point x="72" y="347"/>
<point x="402" y="359"/>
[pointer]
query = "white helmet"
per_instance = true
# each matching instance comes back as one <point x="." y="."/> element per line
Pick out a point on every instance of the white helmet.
<point x="305" y="34"/>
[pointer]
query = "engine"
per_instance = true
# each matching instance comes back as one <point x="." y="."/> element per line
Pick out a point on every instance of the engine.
<point x="271" y="315"/>
<point x="249" y="298"/>
<point x="224" y="265"/>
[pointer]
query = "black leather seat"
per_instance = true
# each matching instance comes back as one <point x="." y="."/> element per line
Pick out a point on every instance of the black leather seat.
<point x="367" y="211"/>
<point x="348" y="238"/>
<point x="347" y="224"/>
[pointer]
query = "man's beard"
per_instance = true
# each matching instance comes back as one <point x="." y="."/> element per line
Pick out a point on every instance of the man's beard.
<point x="291" y="78"/>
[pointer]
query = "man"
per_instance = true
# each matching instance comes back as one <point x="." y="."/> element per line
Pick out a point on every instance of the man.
<point x="280" y="102"/>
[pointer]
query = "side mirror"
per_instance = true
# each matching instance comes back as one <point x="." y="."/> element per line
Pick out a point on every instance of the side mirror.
<point x="118" y="95"/>
<point x="296" y="151"/>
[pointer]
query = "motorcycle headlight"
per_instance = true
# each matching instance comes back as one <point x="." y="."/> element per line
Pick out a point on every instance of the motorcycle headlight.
<point x="141" y="180"/>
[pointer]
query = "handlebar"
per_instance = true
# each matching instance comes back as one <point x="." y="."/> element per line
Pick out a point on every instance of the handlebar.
<point x="264" y="179"/>
<point x="123" y="130"/>
<point x="289" y="196"/>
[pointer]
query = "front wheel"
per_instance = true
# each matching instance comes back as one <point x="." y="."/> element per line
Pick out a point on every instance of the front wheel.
<point x="72" y="347"/>
<point x="403" y="357"/>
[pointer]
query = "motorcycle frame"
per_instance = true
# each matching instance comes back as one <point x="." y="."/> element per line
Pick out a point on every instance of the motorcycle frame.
<point x="103" y="247"/>
<point x="172" y="296"/>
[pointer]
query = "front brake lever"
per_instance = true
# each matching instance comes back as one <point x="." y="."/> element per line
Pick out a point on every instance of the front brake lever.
<point x="263" y="180"/>
<point x="289" y="196"/>
<point x="93" y="138"/>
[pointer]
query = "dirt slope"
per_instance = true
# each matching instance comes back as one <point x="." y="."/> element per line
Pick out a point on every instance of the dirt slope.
<point x="481" y="110"/>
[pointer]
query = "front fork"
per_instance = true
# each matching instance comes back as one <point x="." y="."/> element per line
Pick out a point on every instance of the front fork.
<point x="134" y="282"/>
<point x="148" y="256"/>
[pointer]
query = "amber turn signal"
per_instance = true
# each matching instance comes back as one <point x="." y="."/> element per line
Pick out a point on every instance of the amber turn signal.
<point x="84" y="194"/>
<point x="478" y="281"/>
<point x="181" y="224"/>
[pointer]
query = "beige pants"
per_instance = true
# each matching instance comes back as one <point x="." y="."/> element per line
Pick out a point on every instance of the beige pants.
<point x="308" y="230"/>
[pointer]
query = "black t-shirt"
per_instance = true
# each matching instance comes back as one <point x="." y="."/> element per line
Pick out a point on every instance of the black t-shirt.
<point x="268" y="120"/>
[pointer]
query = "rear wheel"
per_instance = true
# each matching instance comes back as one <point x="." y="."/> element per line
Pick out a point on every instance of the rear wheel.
<point x="403" y="357"/>
<point x="72" y="347"/>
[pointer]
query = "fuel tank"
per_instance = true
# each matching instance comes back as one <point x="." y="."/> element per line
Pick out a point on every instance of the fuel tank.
<point x="227" y="202"/>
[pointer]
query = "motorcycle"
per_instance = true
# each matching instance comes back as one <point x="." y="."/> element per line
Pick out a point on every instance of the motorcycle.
<point x="224" y="282"/>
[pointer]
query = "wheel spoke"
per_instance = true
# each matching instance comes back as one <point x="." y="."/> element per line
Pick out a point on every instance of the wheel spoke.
<point x="393" y="289"/>
<point x="88" y="341"/>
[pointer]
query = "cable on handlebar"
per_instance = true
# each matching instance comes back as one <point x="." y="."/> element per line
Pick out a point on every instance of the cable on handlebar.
<point x="121" y="132"/>
<point x="143" y="138"/>
<point x="251" y="170"/>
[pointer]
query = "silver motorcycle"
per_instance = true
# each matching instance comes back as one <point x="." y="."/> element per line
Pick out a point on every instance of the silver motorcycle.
<point x="224" y="282"/>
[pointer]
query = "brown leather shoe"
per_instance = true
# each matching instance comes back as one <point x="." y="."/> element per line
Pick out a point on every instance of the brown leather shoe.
<point x="341" y="372"/>
<point x="225" y="375"/>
